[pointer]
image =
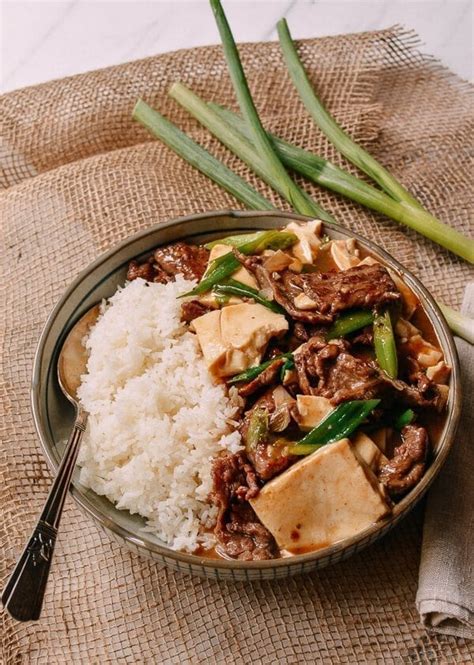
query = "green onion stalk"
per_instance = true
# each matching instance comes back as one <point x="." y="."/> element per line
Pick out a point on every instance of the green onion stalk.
<point x="198" y="157"/>
<point x="349" y="323"/>
<point x="338" y="424"/>
<point x="235" y="241"/>
<point x="225" y="266"/>
<point x="242" y="147"/>
<point x="235" y="288"/>
<point x="384" y="344"/>
<point x="343" y="142"/>
<point x="258" y="429"/>
<point x="298" y="199"/>
<point x="461" y="325"/>
<point x="403" y="419"/>
<point x="252" y="372"/>
<point x="429" y="226"/>
<point x="328" y="175"/>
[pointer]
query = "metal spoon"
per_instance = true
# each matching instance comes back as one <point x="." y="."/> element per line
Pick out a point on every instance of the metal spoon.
<point x="24" y="592"/>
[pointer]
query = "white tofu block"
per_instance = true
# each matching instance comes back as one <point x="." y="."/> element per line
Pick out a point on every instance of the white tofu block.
<point x="345" y="253"/>
<point x="326" y="497"/>
<point x="307" y="246"/>
<point x="312" y="410"/>
<point x="234" y="337"/>
<point x="242" y="275"/>
<point x="367" y="451"/>
<point x="439" y="373"/>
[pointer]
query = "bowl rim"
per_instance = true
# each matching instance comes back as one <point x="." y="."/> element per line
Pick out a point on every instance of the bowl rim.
<point x="402" y="508"/>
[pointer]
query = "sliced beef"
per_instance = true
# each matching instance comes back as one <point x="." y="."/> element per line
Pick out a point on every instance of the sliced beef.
<point x="265" y="378"/>
<point x="140" y="270"/>
<point x="238" y="530"/>
<point x="169" y="261"/>
<point x="285" y="287"/>
<point x="268" y="460"/>
<point x="300" y="332"/>
<point x="407" y="466"/>
<point x="193" y="309"/>
<point x="364" y="337"/>
<point x="245" y="537"/>
<point x="365" y="287"/>
<point x="233" y="477"/>
<point x="182" y="258"/>
<point x="329" y="370"/>
<point x="330" y="293"/>
<point x="413" y="396"/>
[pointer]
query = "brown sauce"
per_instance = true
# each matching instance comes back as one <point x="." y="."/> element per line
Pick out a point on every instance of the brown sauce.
<point x="306" y="549"/>
<point x="207" y="554"/>
<point x="420" y="320"/>
<point x="324" y="261"/>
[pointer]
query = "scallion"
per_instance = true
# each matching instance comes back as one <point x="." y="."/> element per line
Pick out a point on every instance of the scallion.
<point x="235" y="288"/>
<point x="338" y="424"/>
<point x="199" y="158"/>
<point x="252" y="372"/>
<point x="279" y="240"/>
<point x="257" y="430"/>
<point x="403" y="419"/>
<point x="349" y="322"/>
<point x="288" y="365"/>
<point x="234" y="241"/>
<point x="343" y="142"/>
<point x="245" y="150"/>
<point x="422" y="222"/>
<point x="330" y="176"/>
<point x="460" y="324"/>
<point x="274" y="169"/>
<point x="384" y="344"/>
<point x="225" y="266"/>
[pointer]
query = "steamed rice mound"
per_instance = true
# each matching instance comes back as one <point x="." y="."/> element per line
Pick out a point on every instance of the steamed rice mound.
<point x="156" y="418"/>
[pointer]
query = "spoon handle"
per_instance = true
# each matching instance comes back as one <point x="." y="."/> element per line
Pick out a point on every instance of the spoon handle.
<point x="23" y="594"/>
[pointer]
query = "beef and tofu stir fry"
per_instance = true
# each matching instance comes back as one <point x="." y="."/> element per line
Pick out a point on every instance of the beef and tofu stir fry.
<point x="339" y="377"/>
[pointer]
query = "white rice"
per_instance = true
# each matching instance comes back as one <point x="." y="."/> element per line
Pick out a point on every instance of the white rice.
<point x="156" y="418"/>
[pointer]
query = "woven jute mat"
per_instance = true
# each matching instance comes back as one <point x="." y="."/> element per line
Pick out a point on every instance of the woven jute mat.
<point x="78" y="176"/>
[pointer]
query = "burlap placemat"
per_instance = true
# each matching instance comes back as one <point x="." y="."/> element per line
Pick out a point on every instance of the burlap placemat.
<point x="78" y="176"/>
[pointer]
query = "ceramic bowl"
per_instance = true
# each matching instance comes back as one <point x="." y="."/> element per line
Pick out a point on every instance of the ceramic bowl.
<point x="53" y="414"/>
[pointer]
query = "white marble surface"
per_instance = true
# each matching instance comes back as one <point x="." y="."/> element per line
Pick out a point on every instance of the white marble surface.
<point x="41" y="40"/>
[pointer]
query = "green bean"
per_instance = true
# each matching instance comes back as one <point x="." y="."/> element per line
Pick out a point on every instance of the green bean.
<point x="337" y="425"/>
<point x="384" y="343"/>
<point x="350" y="322"/>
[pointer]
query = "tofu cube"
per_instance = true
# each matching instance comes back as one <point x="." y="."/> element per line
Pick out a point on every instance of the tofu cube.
<point x="233" y="338"/>
<point x="312" y="409"/>
<point x="367" y="451"/>
<point x="328" y="496"/>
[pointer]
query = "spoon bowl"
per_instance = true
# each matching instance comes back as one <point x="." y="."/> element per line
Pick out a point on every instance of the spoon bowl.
<point x="72" y="361"/>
